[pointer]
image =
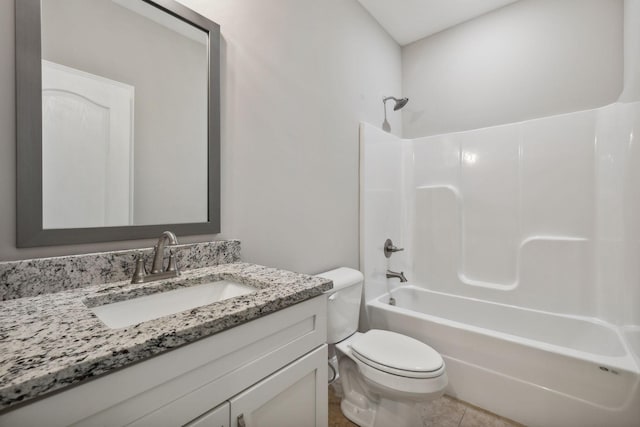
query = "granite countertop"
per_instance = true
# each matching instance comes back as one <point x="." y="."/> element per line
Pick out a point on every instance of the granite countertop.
<point x="53" y="340"/>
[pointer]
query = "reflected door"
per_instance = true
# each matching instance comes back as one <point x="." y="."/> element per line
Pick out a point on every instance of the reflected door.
<point x="87" y="149"/>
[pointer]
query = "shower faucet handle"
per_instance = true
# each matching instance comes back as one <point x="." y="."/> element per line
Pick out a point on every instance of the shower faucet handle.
<point x="389" y="248"/>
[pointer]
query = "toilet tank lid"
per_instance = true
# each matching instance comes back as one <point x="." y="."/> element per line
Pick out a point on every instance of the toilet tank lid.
<point x="342" y="277"/>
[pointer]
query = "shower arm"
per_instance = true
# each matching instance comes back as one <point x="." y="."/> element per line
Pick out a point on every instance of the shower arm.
<point x="399" y="102"/>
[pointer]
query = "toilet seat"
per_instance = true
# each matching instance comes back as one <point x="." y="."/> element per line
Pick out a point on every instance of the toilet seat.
<point x="397" y="354"/>
<point x="405" y="385"/>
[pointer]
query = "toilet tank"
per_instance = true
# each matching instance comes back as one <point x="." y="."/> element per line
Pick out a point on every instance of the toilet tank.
<point x="343" y="305"/>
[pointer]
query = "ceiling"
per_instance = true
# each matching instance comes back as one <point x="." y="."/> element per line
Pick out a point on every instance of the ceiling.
<point x="410" y="20"/>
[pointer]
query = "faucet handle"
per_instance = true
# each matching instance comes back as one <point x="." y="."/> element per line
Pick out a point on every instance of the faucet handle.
<point x="172" y="265"/>
<point x="141" y="269"/>
<point x="389" y="248"/>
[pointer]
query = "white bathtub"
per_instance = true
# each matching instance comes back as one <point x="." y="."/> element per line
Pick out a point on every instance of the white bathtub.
<point x="538" y="368"/>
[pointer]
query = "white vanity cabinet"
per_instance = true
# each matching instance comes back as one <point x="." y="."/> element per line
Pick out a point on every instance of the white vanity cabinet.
<point x="217" y="417"/>
<point x="268" y="372"/>
<point x="294" y="396"/>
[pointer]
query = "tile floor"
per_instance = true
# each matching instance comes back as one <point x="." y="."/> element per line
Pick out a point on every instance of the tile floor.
<point x="443" y="412"/>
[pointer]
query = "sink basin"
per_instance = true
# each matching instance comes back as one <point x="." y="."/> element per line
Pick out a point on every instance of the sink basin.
<point x="149" y="307"/>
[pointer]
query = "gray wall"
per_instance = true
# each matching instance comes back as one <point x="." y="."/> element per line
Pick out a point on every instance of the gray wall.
<point x="297" y="77"/>
<point x="631" y="91"/>
<point x="531" y="59"/>
<point x="169" y="73"/>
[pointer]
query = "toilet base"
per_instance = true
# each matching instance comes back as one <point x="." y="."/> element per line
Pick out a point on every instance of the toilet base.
<point x="388" y="413"/>
<point x="361" y="416"/>
<point x="370" y="405"/>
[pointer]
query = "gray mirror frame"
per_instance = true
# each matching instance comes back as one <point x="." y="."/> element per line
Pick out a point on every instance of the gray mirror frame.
<point x="29" y="230"/>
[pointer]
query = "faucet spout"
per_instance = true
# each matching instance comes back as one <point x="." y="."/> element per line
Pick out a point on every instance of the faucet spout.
<point x="396" y="275"/>
<point x="158" y="256"/>
<point x="158" y="272"/>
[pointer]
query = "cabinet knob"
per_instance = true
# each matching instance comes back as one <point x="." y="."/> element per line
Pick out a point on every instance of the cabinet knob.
<point x="241" y="422"/>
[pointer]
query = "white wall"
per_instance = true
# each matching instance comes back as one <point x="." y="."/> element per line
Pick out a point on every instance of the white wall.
<point x="297" y="78"/>
<point x="631" y="90"/>
<point x="534" y="58"/>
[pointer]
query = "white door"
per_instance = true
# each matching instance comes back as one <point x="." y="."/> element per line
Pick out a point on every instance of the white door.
<point x="87" y="149"/>
<point x="295" y="396"/>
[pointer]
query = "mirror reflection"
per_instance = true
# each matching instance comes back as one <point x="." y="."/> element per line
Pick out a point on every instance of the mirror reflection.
<point x="125" y="108"/>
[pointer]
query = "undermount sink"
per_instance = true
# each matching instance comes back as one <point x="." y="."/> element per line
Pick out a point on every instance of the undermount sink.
<point x="149" y="307"/>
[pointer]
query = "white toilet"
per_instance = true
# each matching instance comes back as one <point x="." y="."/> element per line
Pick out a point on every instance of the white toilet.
<point x="383" y="374"/>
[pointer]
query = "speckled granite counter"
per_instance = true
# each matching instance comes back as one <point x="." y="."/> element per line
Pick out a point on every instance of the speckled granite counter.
<point x="30" y="277"/>
<point x="53" y="340"/>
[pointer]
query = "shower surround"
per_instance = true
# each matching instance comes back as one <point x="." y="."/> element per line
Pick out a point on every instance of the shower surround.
<point x="522" y="247"/>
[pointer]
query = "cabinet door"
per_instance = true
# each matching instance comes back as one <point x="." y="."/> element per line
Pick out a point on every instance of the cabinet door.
<point x="295" y="396"/>
<point x="217" y="417"/>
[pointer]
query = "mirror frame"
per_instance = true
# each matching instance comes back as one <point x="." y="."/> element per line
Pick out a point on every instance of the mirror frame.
<point x="29" y="229"/>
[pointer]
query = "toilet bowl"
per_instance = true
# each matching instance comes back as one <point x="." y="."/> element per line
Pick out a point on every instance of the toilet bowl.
<point x="383" y="374"/>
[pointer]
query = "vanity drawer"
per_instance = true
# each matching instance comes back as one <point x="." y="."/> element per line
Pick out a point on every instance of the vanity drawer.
<point x="217" y="417"/>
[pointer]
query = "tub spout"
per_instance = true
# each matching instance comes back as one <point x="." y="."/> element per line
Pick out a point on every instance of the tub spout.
<point x="394" y="275"/>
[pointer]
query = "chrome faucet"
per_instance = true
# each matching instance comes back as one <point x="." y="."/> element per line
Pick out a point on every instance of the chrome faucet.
<point x="394" y="275"/>
<point x="157" y="268"/>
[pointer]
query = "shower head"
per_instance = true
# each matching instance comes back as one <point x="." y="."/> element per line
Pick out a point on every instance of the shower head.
<point x="399" y="102"/>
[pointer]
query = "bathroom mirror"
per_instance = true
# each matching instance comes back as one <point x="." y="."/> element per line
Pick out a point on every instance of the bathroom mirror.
<point x="118" y="121"/>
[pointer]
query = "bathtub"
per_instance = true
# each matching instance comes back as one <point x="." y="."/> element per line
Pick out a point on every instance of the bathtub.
<point x="535" y="367"/>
